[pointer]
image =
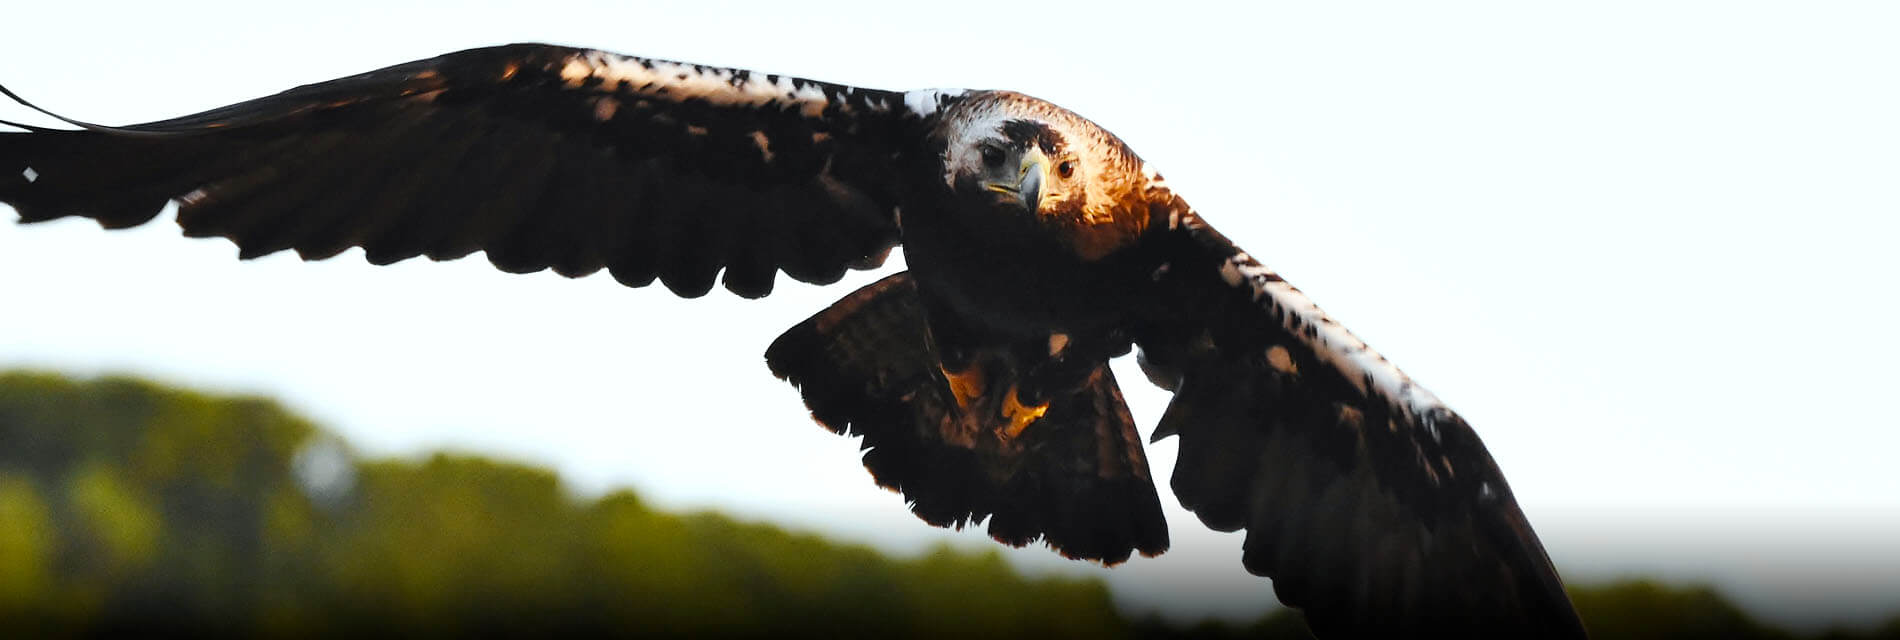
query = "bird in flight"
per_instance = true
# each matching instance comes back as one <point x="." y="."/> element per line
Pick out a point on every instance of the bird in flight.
<point x="1039" y="247"/>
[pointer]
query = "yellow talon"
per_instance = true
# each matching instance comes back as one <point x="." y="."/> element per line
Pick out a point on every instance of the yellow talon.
<point x="966" y="385"/>
<point x="1020" y="416"/>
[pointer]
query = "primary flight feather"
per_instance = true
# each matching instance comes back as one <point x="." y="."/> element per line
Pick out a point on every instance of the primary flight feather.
<point x="1039" y="247"/>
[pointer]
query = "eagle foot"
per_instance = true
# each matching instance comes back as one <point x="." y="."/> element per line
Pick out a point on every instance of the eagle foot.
<point x="965" y="385"/>
<point x="1020" y="416"/>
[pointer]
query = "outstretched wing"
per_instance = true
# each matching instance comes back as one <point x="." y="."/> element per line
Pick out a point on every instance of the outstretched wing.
<point x="1372" y="506"/>
<point x="542" y="156"/>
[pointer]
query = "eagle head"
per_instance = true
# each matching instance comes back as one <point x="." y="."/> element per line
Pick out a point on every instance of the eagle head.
<point x="1025" y="154"/>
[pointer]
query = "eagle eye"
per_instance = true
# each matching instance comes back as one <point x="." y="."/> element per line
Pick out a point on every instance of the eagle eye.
<point x="992" y="157"/>
<point x="1066" y="169"/>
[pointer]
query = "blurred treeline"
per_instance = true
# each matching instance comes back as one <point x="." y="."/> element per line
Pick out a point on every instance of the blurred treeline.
<point x="128" y="508"/>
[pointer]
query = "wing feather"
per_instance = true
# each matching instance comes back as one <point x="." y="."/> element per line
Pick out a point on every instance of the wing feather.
<point x="1078" y="479"/>
<point x="1373" y="507"/>
<point x="542" y="156"/>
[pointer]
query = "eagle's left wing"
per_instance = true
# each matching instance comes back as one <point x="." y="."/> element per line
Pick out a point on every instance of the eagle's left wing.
<point x="1372" y="506"/>
<point x="540" y="155"/>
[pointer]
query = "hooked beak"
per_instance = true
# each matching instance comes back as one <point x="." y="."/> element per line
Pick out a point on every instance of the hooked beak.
<point x="1030" y="176"/>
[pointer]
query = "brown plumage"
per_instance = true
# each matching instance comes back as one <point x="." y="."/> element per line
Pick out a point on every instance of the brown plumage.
<point x="1040" y="247"/>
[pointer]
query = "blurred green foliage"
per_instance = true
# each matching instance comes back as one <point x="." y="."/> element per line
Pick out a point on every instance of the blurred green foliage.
<point x="128" y="508"/>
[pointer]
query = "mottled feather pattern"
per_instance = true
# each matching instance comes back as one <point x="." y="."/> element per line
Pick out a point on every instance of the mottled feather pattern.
<point x="1373" y="507"/>
<point x="1113" y="173"/>
<point x="1077" y="480"/>
<point x="541" y="156"/>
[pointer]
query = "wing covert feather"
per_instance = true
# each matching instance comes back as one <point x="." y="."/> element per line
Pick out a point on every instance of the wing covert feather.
<point x="542" y="156"/>
<point x="1077" y="480"/>
<point x="1373" y="507"/>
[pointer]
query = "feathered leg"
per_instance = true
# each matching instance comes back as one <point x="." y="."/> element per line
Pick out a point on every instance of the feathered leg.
<point x="1077" y="478"/>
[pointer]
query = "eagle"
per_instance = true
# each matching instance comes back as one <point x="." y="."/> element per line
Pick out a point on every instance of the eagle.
<point x="1039" y="247"/>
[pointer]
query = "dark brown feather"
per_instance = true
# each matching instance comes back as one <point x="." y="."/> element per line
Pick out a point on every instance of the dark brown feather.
<point x="502" y="150"/>
<point x="1372" y="521"/>
<point x="1077" y="478"/>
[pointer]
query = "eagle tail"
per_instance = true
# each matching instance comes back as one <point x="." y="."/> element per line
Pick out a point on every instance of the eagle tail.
<point x="1076" y="478"/>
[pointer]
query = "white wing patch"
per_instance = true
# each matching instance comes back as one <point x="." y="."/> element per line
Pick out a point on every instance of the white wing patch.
<point x="1330" y="340"/>
<point x="924" y="102"/>
<point x="715" y="85"/>
<point x="729" y="87"/>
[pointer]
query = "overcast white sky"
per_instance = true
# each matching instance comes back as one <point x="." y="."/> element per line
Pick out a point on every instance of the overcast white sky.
<point x="1646" y="248"/>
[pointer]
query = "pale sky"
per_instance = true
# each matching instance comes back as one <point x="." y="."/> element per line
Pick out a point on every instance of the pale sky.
<point x="1645" y="248"/>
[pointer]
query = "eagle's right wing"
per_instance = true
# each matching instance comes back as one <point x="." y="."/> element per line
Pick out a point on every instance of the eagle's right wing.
<point x="1373" y="507"/>
<point x="542" y="156"/>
